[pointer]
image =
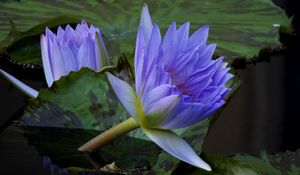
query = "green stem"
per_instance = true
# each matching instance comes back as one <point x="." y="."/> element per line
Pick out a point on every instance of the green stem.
<point x="109" y="135"/>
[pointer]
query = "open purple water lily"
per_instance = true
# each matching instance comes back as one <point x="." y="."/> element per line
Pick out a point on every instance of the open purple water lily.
<point x="68" y="50"/>
<point x="177" y="84"/>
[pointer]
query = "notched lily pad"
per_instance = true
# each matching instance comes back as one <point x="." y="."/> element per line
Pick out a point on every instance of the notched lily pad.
<point x="80" y="100"/>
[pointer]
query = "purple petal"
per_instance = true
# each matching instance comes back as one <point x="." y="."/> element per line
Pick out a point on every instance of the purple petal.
<point x="227" y="77"/>
<point x="46" y="162"/>
<point x="186" y="62"/>
<point x="49" y="33"/>
<point x="184" y="115"/>
<point x="146" y="23"/>
<point x="126" y="95"/>
<point x="150" y="81"/>
<point x="213" y="108"/>
<point x="93" y="31"/>
<point x="86" y="54"/>
<point x="69" y="59"/>
<point x="219" y="75"/>
<point x="20" y="85"/>
<point x="196" y="85"/>
<point x="156" y="94"/>
<point x="74" y="49"/>
<point x="160" y="109"/>
<point x="101" y="56"/>
<point x="176" y="146"/>
<point x="153" y="48"/>
<point x="206" y="55"/>
<point x="60" y="34"/>
<point x="46" y="61"/>
<point x="182" y="36"/>
<point x="69" y="33"/>
<point x="139" y="59"/>
<point x="58" y="68"/>
<point x="200" y="35"/>
<point x="169" y="46"/>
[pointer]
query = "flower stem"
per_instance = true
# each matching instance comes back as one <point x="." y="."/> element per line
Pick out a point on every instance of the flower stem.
<point x="109" y="135"/>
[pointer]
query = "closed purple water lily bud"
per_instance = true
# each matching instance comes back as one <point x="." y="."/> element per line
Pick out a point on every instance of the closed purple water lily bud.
<point x="177" y="84"/>
<point x="68" y="50"/>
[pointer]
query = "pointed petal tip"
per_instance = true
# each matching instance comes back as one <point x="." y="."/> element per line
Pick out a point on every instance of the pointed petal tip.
<point x="176" y="146"/>
<point x="146" y="23"/>
<point x="187" y="24"/>
<point x="145" y="9"/>
<point x="60" y="28"/>
<point x="42" y="38"/>
<point x="173" y="24"/>
<point x="46" y="60"/>
<point x="145" y="16"/>
<point x="206" y="27"/>
<point x="48" y="32"/>
<point x="155" y="26"/>
<point x="213" y="46"/>
<point x="23" y="87"/>
<point x="83" y="22"/>
<point x="203" y="165"/>
<point x="145" y="6"/>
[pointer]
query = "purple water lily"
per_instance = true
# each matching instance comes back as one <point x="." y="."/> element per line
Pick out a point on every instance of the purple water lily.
<point x="68" y="50"/>
<point x="177" y="84"/>
<point x="71" y="50"/>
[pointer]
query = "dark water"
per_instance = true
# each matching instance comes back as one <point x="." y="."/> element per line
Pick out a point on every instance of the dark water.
<point x="17" y="157"/>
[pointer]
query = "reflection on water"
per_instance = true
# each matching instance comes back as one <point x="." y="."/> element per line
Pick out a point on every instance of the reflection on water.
<point x="17" y="157"/>
<point x="54" y="169"/>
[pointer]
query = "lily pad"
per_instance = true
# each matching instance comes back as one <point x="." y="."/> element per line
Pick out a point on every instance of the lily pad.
<point x="245" y="164"/>
<point x="76" y="109"/>
<point x="60" y="145"/>
<point x="80" y="100"/>
<point x="278" y="164"/>
<point x="240" y="28"/>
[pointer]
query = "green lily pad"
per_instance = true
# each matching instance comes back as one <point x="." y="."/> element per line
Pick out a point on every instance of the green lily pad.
<point x="278" y="164"/>
<point x="60" y="145"/>
<point x="74" y="110"/>
<point x="240" y="28"/>
<point x="80" y="100"/>
<point x="223" y="166"/>
<point x="287" y="163"/>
